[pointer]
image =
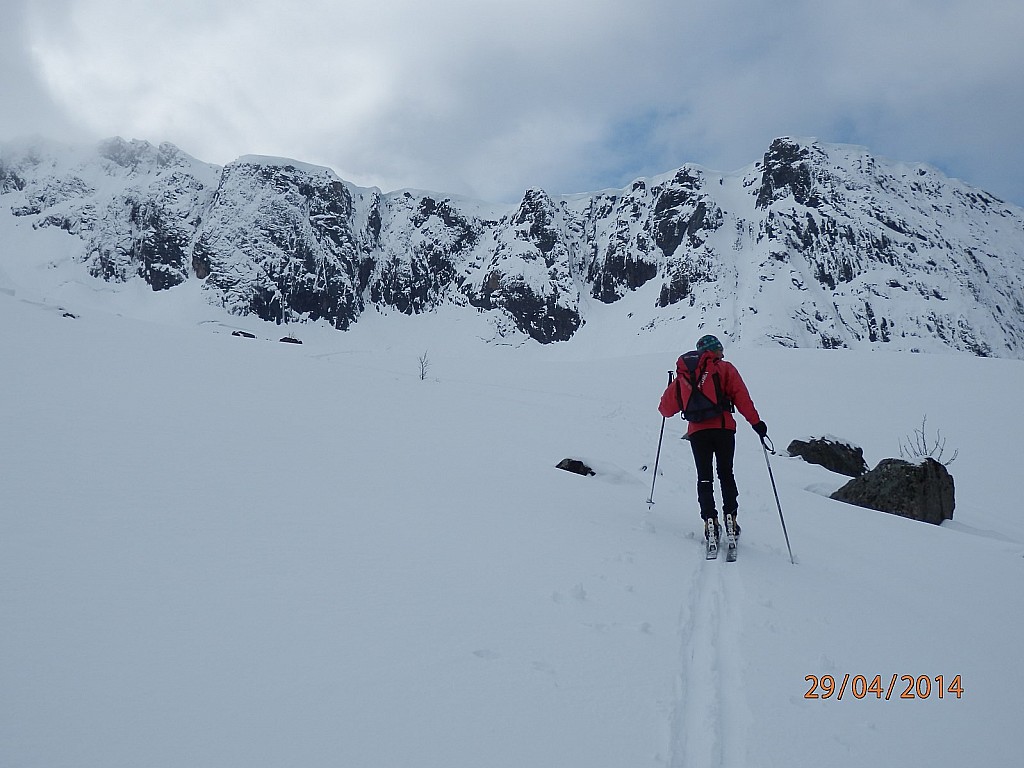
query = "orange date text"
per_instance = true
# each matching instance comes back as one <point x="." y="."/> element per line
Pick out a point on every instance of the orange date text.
<point x="894" y="687"/>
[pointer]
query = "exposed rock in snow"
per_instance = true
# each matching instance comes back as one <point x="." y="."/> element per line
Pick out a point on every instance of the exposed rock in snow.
<point x="924" y="491"/>
<point x="834" y="454"/>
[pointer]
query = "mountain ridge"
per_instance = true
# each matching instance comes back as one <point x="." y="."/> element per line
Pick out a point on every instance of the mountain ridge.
<point x="814" y="245"/>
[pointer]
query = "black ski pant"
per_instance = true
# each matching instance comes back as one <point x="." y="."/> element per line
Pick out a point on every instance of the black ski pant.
<point x="715" y="447"/>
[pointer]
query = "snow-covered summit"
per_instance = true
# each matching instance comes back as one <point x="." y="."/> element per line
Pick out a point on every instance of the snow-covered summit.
<point x="271" y="161"/>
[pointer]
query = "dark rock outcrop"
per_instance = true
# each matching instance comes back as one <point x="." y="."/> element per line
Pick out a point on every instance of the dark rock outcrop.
<point x="787" y="172"/>
<point x="576" y="466"/>
<point x="834" y="455"/>
<point x="922" y="491"/>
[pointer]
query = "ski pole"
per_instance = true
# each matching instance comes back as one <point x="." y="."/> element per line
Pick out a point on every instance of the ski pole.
<point x="765" y="441"/>
<point x="657" y="458"/>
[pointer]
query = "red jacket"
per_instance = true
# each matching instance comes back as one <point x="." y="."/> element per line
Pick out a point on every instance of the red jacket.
<point x="732" y="386"/>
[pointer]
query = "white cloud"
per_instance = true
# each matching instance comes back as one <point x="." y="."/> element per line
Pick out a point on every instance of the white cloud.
<point x="488" y="98"/>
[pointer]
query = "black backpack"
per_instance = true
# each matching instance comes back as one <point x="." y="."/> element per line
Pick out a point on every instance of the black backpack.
<point x="698" y="406"/>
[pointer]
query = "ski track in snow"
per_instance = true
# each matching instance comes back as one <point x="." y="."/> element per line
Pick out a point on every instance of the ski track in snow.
<point x="709" y="721"/>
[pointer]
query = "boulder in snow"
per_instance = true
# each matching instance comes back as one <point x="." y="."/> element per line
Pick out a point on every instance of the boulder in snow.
<point x="575" y="465"/>
<point x="922" y="491"/>
<point x="832" y="453"/>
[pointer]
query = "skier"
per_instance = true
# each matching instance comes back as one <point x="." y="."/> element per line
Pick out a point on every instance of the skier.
<point x="712" y="430"/>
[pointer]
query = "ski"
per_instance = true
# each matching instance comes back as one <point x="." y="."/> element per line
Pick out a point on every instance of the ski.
<point x="711" y="549"/>
<point x="711" y="540"/>
<point x="732" y="539"/>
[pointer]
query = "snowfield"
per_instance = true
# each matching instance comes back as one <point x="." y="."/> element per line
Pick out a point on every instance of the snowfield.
<point x="222" y="552"/>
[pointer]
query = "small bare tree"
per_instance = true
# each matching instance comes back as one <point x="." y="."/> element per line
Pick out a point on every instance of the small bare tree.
<point x="920" y="446"/>
<point x="424" y="366"/>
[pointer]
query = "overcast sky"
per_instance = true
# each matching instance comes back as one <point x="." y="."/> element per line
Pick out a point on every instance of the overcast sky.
<point x="489" y="97"/>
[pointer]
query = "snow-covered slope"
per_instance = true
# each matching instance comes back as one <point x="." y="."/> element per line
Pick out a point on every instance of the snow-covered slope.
<point x="226" y="552"/>
<point x="816" y="245"/>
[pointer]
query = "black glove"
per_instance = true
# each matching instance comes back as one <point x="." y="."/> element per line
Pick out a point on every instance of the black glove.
<point x="761" y="428"/>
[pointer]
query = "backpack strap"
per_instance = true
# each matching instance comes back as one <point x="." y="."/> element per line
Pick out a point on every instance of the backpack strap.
<point x="722" y="399"/>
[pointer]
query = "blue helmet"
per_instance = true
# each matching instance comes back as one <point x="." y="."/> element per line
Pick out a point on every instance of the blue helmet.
<point x="709" y="343"/>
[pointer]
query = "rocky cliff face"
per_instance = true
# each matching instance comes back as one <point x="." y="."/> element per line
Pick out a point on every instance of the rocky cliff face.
<point x="815" y="245"/>
<point x="278" y="241"/>
<point x="134" y="206"/>
<point x="888" y="252"/>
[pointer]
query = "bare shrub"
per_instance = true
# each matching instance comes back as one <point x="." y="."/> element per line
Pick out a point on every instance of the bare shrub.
<point x="920" y="446"/>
